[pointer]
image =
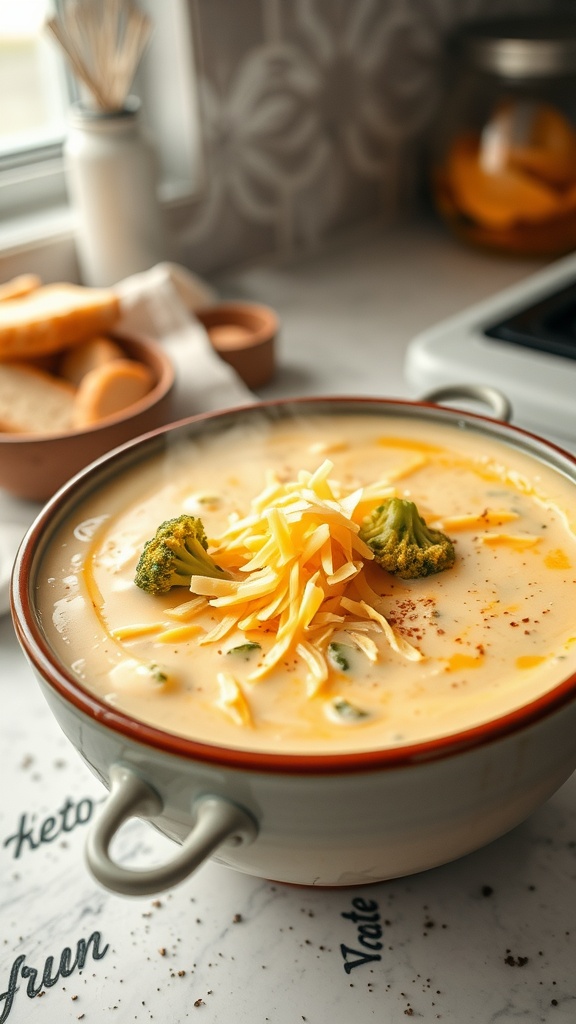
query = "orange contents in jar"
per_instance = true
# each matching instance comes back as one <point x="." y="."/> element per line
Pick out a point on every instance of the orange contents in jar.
<point x="513" y="184"/>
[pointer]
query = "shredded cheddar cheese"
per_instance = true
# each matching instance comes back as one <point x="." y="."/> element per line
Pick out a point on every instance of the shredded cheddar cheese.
<point x="296" y="560"/>
<point x="138" y="629"/>
<point x="558" y="559"/>
<point x="232" y="699"/>
<point x="519" y="541"/>
<point x="179" y="634"/>
<point x="188" y="610"/>
<point x="489" y="517"/>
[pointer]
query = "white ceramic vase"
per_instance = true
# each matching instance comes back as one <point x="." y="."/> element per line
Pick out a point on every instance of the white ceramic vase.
<point x="111" y="174"/>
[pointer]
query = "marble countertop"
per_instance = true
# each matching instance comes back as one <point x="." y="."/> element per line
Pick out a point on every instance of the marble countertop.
<point x="489" y="938"/>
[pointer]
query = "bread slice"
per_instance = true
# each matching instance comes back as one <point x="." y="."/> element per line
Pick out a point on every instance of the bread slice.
<point x="33" y="401"/>
<point x="18" y="286"/>
<point x="109" y="389"/>
<point x="80" y="359"/>
<point x="52" y="318"/>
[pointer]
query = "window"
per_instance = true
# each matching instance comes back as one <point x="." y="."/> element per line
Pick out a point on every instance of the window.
<point x="36" y="89"/>
<point x="32" y="86"/>
<point x="33" y="110"/>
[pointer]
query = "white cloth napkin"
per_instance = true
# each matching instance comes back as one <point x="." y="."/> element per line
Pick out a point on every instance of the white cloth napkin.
<point x="159" y="303"/>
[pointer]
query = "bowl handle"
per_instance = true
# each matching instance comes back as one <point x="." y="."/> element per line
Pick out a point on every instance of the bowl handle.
<point x="492" y="397"/>
<point x="217" y="821"/>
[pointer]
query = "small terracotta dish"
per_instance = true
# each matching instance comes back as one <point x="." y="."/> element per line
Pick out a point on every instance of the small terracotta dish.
<point x="34" y="466"/>
<point x="243" y="335"/>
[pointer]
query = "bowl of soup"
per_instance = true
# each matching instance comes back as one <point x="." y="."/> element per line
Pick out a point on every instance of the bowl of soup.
<point x="299" y="710"/>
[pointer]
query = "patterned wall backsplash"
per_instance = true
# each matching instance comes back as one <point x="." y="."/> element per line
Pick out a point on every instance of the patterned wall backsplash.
<point x="314" y="112"/>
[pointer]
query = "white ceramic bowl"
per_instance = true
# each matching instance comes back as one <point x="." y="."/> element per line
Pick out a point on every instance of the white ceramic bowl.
<point x="313" y="820"/>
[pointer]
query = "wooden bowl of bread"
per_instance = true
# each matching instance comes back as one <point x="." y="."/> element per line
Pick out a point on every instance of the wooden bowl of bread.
<point x="72" y="385"/>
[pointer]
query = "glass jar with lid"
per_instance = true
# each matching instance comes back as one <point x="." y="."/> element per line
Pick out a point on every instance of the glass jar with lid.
<point x="504" y="163"/>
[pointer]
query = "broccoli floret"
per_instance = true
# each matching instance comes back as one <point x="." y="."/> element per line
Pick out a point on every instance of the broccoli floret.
<point x="402" y="542"/>
<point x="176" y="552"/>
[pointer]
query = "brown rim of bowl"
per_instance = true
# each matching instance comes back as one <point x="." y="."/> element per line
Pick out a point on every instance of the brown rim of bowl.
<point x="46" y="663"/>
<point x="135" y="346"/>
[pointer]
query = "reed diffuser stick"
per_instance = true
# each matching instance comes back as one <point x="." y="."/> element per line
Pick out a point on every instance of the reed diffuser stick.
<point x="103" y="41"/>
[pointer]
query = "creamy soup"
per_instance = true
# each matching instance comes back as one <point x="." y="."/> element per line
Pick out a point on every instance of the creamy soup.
<point x="309" y="645"/>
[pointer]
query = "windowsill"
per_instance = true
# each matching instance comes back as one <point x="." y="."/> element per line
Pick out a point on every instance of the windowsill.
<point x="43" y="242"/>
<point x="35" y="230"/>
